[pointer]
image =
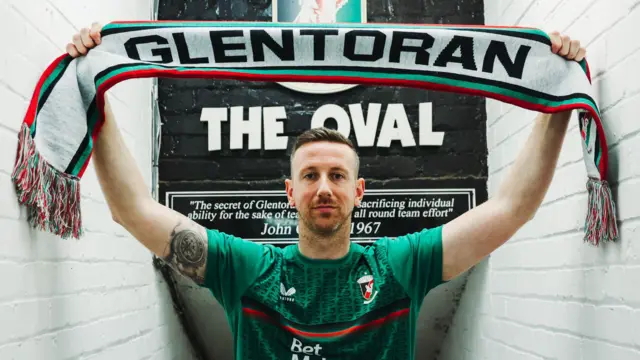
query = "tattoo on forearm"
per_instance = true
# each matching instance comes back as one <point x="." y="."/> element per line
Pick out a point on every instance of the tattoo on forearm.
<point x="188" y="252"/>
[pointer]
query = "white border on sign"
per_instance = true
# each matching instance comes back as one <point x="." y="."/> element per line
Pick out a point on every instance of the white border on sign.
<point x="170" y="195"/>
<point x="318" y="88"/>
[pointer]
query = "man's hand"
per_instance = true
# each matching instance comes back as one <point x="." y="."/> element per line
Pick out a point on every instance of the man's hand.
<point x="475" y="234"/>
<point x="85" y="40"/>
<point x="567" y="48"/>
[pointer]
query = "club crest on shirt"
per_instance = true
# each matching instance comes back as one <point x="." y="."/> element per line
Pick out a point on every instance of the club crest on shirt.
<point x="366" y="288"/>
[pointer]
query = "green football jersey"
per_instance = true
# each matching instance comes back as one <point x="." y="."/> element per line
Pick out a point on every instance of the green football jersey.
<point x="283" y="305"/>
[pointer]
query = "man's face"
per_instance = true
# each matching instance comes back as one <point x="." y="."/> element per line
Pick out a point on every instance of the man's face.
<point x="323" y="185"/>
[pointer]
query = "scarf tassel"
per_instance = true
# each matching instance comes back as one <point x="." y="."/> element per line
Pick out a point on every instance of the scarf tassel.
<point x="52" y="198"/>
<point x="601" y="223"/>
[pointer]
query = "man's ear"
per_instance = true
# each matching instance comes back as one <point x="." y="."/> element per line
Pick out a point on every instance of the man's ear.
<point x="359" y="191"/>
<point x="288" y="184"/>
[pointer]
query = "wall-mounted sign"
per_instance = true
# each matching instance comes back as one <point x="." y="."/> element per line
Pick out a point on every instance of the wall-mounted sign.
<point x="266" y="216"/>
<point x="319" y="12"/>
<point x="262" y="127"/>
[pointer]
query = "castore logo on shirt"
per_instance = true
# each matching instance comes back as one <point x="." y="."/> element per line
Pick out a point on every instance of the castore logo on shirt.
<point x="286" y="295"/>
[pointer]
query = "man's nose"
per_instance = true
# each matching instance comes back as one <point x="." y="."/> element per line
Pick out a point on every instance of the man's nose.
<point x="324" y="186"/>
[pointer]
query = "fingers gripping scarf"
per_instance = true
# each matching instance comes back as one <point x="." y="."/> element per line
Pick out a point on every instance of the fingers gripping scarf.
<point x="513" y="65"/>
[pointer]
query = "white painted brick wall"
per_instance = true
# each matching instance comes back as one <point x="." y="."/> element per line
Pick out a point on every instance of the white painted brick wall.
<point x="546" y="294"/>
<point x="98" y="297"/>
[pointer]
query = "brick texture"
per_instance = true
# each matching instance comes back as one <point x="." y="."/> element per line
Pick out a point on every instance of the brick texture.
<point x="546" y="294"/>
<point x="99" y="297"/>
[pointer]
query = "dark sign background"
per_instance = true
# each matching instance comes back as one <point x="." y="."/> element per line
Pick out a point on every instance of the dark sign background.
<point x="186" y="164"/>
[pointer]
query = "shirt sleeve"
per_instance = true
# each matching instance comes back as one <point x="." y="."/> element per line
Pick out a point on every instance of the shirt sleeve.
<point x="233" y="264"/>
<point x="416" y="260"/>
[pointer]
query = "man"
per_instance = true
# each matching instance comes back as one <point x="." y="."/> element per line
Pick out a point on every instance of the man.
<point x="326" y="297"/>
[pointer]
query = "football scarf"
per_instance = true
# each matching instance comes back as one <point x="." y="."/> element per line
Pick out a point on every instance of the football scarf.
<point x="510" y="64"/>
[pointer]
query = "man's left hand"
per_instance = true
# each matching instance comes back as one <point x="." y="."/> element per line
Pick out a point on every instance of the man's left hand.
<point x="567" y="48"/>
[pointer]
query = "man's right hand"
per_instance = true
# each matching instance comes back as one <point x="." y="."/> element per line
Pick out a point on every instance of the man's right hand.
<point x="86" y="39"/>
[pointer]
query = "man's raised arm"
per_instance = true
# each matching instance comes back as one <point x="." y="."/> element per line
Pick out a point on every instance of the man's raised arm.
<point x="167" y="233"/>
<point x="474" y="235"/>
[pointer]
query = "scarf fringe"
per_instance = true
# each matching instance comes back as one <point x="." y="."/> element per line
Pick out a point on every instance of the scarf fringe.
<point x="601" y="223"/>
<point x="52" y="198"/>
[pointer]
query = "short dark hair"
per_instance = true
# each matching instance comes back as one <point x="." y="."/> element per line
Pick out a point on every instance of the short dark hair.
<point x="324" y="134"/>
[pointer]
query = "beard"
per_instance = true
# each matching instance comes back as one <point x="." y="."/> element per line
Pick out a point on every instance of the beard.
<point x="325" y="224"/>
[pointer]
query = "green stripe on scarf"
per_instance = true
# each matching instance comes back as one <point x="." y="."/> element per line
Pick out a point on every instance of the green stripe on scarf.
<point x="578" y="100"/>
<point x="196" y="24"/>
